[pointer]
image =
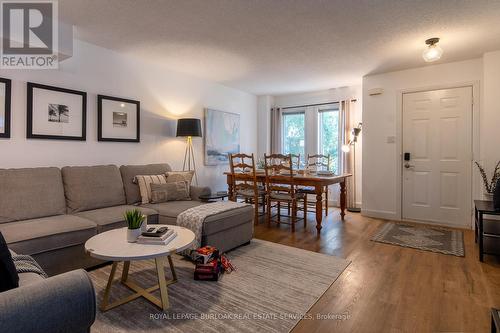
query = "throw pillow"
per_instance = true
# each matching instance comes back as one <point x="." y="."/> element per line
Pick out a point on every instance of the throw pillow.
<point x="180" y="176"/>
<point x="169" y="192"/>
<point x="8" y="273"/>
<point x="145" y="181"/>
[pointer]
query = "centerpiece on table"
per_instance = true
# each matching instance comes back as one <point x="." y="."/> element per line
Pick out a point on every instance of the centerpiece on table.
<point x="136" y="223"/>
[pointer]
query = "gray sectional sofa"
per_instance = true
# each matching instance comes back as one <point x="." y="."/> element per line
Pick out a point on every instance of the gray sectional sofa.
<point x="49" y="213"/>
<point x="61" y="303"/>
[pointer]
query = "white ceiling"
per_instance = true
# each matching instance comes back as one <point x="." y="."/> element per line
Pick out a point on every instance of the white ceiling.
<point x="279" y="46"/>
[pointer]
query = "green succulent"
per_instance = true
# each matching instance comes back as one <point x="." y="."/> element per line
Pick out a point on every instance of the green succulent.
<point x="134" y="218"/>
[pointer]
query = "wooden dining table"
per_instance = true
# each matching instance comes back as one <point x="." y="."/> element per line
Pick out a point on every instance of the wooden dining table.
<point x="312" y="180"/>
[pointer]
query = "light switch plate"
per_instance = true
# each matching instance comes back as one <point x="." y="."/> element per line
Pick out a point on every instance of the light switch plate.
<point x="391" y="139"/>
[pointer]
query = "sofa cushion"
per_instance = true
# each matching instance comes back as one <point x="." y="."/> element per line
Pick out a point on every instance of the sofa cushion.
<point x="130" y="171"/>
<point x="172" y="208"/>
<point x="112" y="217"/>
<point x="48" y="233"/>
<point x="8" y="273"/>
<point x="213" y="224"/>
<point x="30" y="193"/>
<point x="227" y="220"/>
<point x="92" y="187"/>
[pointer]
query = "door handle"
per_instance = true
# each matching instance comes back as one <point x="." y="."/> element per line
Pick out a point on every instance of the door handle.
<point x="409" y="166"/>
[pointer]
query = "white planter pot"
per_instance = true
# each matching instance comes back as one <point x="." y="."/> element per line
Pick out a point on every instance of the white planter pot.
<point x="488" y="196"/>
<point x="132" y="234"/>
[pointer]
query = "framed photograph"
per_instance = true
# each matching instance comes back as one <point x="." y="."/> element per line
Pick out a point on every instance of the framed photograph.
<point x="118" y="119"/>
<point x="5" y="89"/>
<point x="222" y="136"/>
<point x="56" y="113"/>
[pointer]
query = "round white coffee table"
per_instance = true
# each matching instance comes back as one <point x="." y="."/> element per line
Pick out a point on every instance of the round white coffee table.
<point x="113" y="246"/>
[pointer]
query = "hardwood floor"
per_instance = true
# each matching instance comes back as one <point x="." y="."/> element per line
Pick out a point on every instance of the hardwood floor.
<point x="389" y="288"/>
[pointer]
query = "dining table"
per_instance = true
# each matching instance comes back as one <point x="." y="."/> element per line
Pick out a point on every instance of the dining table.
<point x="301" y="178"/>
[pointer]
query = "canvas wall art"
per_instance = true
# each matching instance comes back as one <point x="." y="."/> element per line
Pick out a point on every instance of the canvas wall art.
<point x="118" y="119"/>
<point x="5" y="86"/>
<point x="56" y="113"/>
<point x="222" y="136"/>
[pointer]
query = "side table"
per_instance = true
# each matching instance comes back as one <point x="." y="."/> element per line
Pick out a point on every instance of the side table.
<point x="486" y="229"/>
<point x="213" y="197"/>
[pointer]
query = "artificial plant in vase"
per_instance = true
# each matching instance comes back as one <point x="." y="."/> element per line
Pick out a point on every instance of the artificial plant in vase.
<point x="489" y="184"/>
<point x="134" y="219"/>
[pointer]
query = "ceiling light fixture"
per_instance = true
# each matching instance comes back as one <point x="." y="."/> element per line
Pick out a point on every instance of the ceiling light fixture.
<point x="433" y="52"/>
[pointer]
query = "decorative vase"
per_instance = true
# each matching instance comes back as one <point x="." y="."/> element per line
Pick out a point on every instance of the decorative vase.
<point x="496" y="196"/>
<point x="132" y="234"/>
<point x="488" y="196"/>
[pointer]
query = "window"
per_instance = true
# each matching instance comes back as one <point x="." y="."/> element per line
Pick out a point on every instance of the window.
<point x="328" y="136"/>
<point x="294" y="133"/>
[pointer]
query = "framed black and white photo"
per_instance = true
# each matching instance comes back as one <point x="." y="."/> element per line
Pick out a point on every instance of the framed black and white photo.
<point x="56" y="113"/>
<point x="118" y="119"/>
<point x="5" y="89"/>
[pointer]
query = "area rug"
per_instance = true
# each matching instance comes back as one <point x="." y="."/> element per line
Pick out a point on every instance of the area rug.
<point x="438" y="240"/>
<point x="273" y="287"/>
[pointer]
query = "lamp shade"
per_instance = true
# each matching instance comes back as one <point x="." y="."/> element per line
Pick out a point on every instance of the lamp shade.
<point x="189" y="127"/>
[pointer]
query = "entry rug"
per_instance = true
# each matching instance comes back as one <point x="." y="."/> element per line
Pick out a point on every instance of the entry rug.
<point x="423" y="238"/>
<point x="273" y="287"/>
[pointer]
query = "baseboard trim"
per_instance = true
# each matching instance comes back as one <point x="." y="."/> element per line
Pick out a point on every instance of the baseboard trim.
<point x="380" y="214"/>
<point x="438" y="224"/>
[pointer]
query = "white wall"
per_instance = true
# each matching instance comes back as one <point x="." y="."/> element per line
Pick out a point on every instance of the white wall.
<point x="315" y="97"/>
<point x="164" y="95"/>
<point x="380" y="121"/>
<point x="490" y="117"/>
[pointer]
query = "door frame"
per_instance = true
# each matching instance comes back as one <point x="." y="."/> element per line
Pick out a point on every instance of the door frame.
<point x="475" y="181"/>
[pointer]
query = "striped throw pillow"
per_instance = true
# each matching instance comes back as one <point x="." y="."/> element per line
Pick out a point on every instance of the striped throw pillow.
<point x="145" y="181"/>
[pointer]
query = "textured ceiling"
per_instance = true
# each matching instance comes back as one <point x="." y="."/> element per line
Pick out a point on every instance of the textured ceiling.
<point x="279" y="46"/>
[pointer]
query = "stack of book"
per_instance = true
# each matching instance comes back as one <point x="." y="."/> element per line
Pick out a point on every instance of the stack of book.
<point x="157" y="238"/>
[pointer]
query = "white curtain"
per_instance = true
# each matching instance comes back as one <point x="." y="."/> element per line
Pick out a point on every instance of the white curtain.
<point x="276" y="130"/>
<point x="347" y="159"/>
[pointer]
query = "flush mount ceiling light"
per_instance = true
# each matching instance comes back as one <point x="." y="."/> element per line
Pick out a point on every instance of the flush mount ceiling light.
<point x="433" y="52"/>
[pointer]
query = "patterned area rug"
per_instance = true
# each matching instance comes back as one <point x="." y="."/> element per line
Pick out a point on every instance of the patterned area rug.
<point x="423" y="238"/>
<point x="273" y="286"/>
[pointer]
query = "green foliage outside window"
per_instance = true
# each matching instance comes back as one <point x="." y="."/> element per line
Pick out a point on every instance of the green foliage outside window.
<point x="329" y="137"/>
<point x="294" y="134"/>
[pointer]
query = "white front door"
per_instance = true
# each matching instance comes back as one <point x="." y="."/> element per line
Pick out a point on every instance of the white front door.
<point x="437" y="136"/>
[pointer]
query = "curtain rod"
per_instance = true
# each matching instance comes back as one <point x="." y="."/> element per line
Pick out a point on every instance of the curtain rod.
<point x="318" y="104"/>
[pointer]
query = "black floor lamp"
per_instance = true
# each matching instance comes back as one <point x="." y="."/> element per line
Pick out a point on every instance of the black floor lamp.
<point x="189" y="127"/>
<point x="346" y="148"/>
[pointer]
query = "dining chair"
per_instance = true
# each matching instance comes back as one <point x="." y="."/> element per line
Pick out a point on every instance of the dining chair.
<point x="280" y="187"/>
<point x="245" y="184"/>
<point x="295" y="158"/>
<point x="317" y="162"/>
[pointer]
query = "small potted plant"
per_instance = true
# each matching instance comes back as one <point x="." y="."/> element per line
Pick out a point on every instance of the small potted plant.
<point x="489" y="185"/>
<point x="134" y="219"/>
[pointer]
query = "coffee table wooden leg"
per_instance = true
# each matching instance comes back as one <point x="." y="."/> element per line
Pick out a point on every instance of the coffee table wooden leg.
<point x="162" y="282"/>
<point x="126" y="266"/>
<point x="105" y="298"/>
<point x="172" y="269"/>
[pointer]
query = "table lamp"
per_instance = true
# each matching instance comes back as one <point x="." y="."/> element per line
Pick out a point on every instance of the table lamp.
<point x="189" y="127"/>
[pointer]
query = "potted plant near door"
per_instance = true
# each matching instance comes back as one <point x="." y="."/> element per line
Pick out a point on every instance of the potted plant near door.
<point x="135" y="220"/>
<point x="489" y="184"/>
